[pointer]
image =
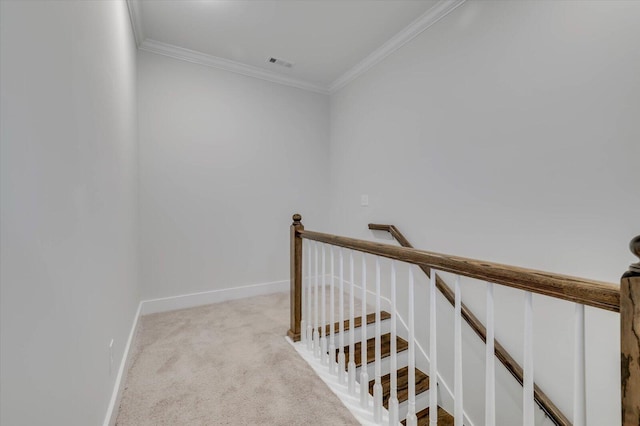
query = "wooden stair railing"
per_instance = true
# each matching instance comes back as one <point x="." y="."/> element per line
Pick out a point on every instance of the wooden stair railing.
<point x="587" y="292"/>
<point x="624" y="299"/>
<point x="543" y="401"/>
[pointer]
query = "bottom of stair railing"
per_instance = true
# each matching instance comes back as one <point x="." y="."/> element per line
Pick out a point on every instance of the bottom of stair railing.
<point x="352" y="402"/>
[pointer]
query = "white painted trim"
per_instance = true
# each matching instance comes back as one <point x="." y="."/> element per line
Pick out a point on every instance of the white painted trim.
<point x="116" y="395"/>
<point x="214" y="296"/>
<point x="135" y="14"/>
<point x="441" y="9"/>
<point x="180" y="302"/>
<point x="351" y="402"/>
<point x="188" y="55"/>
<point x="430" y="17"/>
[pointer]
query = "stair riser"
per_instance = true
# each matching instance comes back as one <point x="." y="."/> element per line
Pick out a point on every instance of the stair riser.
<point x="422" y="402"/>
<point x="385" y="365"/>
<point x="385" y="326"/>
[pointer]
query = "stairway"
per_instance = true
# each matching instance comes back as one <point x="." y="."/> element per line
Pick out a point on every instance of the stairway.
<point x="421" y="379"/>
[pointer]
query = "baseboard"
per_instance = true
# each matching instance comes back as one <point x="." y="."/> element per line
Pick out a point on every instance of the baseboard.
<point x="208" y="297"/>
<point x="121" y="378"/>
<point x="351" y="402"/>
<point x="180" y="302"/>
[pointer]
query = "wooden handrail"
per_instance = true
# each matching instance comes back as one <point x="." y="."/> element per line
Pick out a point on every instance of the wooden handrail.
<point x="624" y="299"/>
<point x="587" y="292"/>
<point x="543" y="401"/>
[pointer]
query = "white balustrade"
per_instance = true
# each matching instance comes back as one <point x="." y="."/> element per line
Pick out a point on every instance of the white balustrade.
<point x="377" y="387"/>
<point x="458" y="405"/>
<point x="332" y="315"/>
<point x="341" y="360"/>
<point x="323" y="329"/>
<point x="579" y="384"/>
<point x="393" y="394"/>
<point x="364" y="376"/>
<point x="412" y="420"/>
<point x="528" y="402"/>
<point x="316" y="337"/>
<point x="433" y="351"/>
<point x="490" y="378"/>
<point x="303" y="303"/>
<point x="308" y="311"/>
<point x="351" y="366"/>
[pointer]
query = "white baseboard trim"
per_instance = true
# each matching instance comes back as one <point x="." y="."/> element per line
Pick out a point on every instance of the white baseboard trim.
<point x="214" y="296"/>
<point x="180" y="302"/>
<point x="351" y="402"/>
<point x="121" y="378"/>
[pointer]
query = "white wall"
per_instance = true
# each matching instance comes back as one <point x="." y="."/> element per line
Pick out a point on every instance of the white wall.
<point x="509" y="132"/>
<point x="224" y="162"/>
<point x="68" y="207"/>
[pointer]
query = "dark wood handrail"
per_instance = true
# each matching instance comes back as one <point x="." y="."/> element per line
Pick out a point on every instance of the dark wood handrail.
<point x="587" y="292"/>
<point x="623" y="299"/>
<point x="543" y="401"/>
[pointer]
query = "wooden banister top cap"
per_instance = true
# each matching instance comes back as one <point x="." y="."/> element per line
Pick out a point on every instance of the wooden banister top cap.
<point x="297" y="218"/>
<point x="634" y="246"/>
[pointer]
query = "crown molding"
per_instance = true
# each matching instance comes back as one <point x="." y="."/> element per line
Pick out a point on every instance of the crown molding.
<point x="430" y="17"/>
<point x="188" y="55"/>
<point x="135" y="15"/>
<point x="441" y="9"/>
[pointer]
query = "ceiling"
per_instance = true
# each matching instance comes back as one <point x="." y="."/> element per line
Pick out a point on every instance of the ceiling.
<point x="329" y="42"/>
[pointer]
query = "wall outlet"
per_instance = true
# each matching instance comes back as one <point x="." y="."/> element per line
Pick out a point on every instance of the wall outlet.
<point x="111" y="357"/>
<point x="364" y="200"/>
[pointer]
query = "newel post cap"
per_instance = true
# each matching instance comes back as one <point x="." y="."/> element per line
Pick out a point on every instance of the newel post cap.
<point x="297" y="219"/>
<point x="634" y="246"/>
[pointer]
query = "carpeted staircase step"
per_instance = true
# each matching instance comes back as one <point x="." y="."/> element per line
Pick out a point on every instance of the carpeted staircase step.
<point x="444" y="418"/>
<point x="371" y="318"/>
<point x="422" y="384"/>
<point x="385" y="348"/>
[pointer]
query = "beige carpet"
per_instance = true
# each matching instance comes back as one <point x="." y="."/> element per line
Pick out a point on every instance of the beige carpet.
<point x="224" y="364"/>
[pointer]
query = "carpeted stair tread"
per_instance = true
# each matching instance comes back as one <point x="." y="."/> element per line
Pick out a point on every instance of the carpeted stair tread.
<point x="444" y="418"/>
<point x="385" y="349"/>
<point x="422" y="384"/>
<point x="371" y="318"/>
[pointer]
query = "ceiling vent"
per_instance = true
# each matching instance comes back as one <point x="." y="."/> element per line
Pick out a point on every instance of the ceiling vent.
<point x="280" y="62"/>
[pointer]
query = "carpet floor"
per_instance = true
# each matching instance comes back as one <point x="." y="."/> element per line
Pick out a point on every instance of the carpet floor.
<point x="224" y="364"/>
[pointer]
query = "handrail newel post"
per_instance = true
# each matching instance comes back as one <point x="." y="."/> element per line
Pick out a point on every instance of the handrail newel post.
<point x="630" y="340"/>
<point x="296" y="278"/>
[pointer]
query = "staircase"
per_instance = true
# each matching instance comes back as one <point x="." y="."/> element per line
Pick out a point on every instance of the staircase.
<point x="421" y="379"/>
<point x="345" y="358"/>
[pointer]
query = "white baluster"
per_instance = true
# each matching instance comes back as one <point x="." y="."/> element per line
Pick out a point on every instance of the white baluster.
<point x="341" y="360"/>
<point x="490" y="378"/>
<point x="351" y="367"/>
<point x="305" y="279"/>
<point x="579" y="387"/>
<point x="316" y="336"/>
<point x="364" y="376"/>
<point x="527" y="387"/>
<point x="308" y="311"/>
<point x="393" y="394"/>
<point x="332" y="302"/>
<point x="459" y="406"/>
<point x="377" y="387"/>
<point x="323" y="324"/>
<point x="433" y="352"/>
<point x="412" y="420"/>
